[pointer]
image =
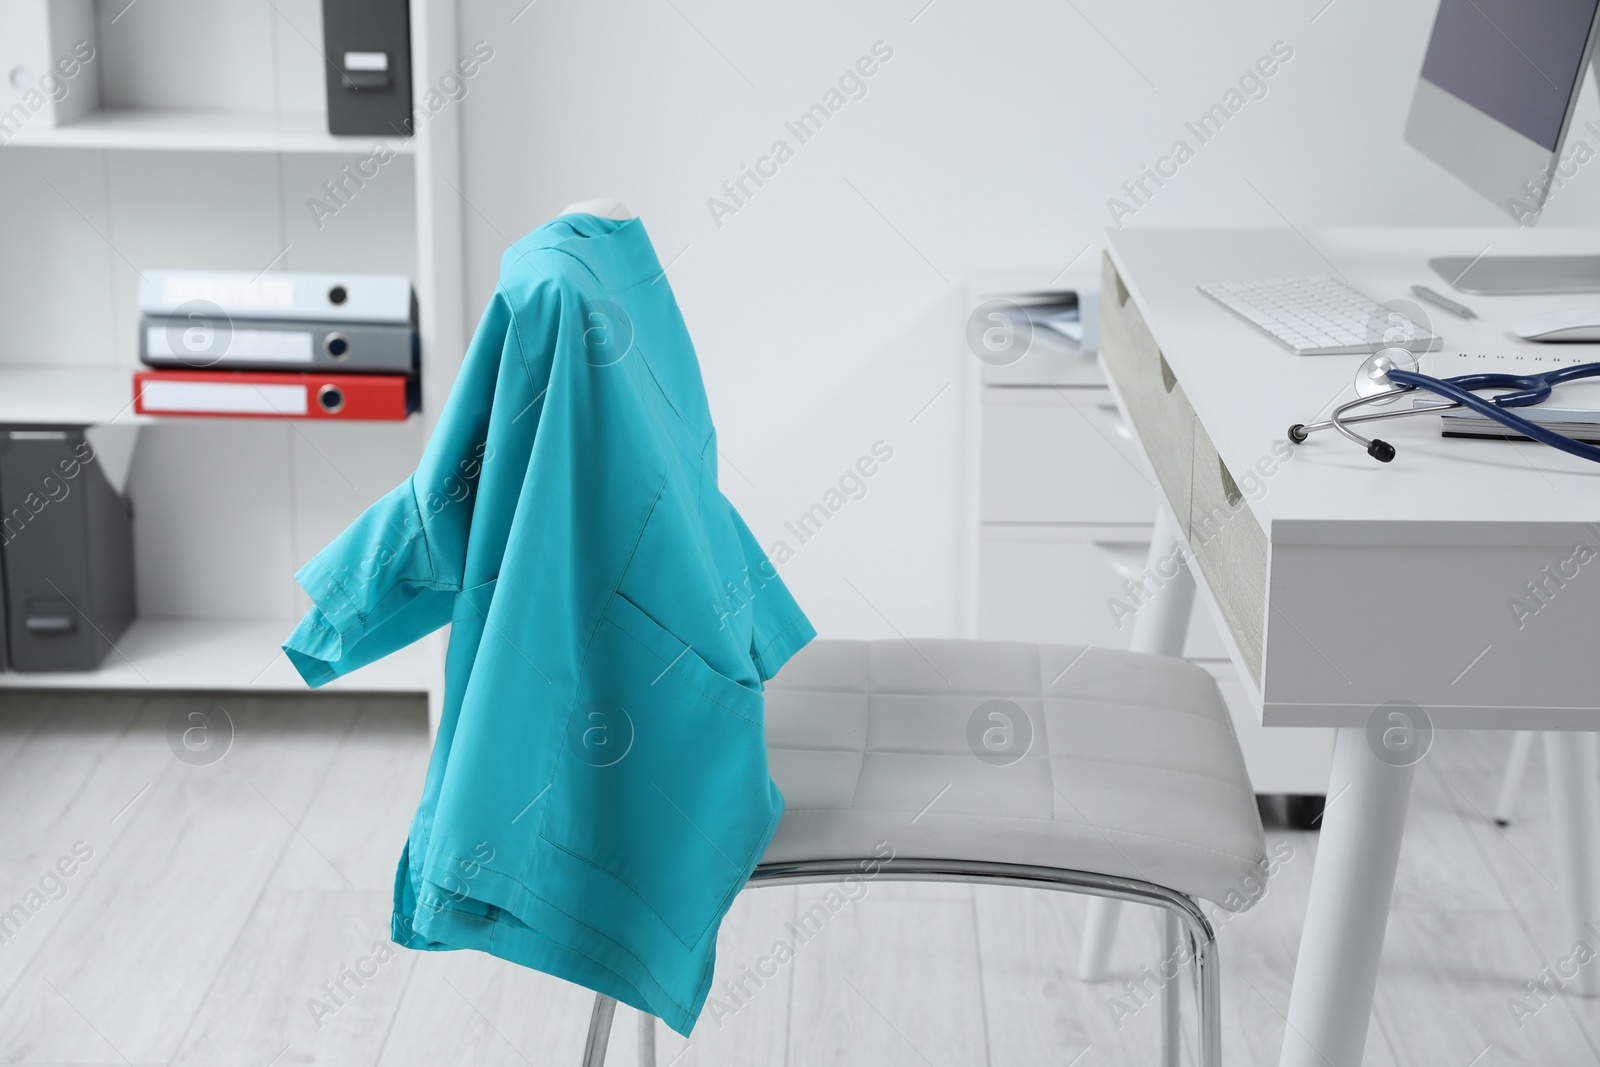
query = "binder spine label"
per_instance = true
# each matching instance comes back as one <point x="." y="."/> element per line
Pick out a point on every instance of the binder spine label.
<point x="202" y="345"/>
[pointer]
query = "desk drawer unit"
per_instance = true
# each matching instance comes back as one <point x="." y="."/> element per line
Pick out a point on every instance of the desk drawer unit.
<point x="1067" y="505"/>
<point x="1212" y="510"/>
<point x="1230" y="547"/>
<point x="1155" y="400"/>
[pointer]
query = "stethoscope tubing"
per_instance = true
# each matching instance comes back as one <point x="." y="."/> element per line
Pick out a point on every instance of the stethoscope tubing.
<point x="1372" y="416"/>
<point x="1451" y="389"/>
<point x="1527" y="390"/>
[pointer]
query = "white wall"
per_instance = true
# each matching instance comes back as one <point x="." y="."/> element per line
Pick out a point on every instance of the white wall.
<point x="823" y="309"/>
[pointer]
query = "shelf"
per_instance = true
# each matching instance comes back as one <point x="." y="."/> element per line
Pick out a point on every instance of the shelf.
<point x="32" y="395"/>
<point x="223" y="654"/>
<point x="199" y="131"/>
<point x="67" y="396"/>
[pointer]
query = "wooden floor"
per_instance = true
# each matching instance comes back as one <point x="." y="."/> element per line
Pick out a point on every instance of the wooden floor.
<point x="221" y="907"/>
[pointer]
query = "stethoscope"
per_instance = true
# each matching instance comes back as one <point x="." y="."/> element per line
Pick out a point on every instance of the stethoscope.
<point x="1396" y="367"/>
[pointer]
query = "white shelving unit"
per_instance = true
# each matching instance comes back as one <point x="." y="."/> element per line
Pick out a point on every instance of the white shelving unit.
<point x="42" y="395"/>
<point x="224" y="654"/>
<point x="209" y="144"/>
<point x="176" y="130"/>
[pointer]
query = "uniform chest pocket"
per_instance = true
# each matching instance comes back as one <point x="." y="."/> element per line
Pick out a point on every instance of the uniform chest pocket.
<point x="664" y="778"/>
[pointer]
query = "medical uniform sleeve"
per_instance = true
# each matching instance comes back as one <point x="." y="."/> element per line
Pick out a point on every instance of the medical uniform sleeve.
<point x="393" y="575"/>
<point x="779" y="628"/>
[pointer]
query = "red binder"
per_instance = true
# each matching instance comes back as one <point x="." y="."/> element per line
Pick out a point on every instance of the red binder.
<point x="242" y="395"/>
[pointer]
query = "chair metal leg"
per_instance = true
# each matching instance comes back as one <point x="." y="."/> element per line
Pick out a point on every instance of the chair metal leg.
<point x="1208" y="990"/>
<point x="1170" y="1001"/>
<point x="1182" y="917"/>
<point x="1511" y="783"/>
<point x="1187" y="914"/>
<point x="594" y="1050"/>
<point x="647" y="1039"/>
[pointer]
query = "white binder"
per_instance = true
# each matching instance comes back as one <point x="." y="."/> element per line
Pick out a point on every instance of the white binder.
<point x="308" y="297"/>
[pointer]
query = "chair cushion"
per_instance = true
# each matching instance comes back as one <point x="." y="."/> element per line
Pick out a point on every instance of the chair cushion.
<point x="1092" y="759"/>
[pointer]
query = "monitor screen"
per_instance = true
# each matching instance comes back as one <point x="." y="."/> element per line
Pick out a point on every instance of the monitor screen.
<point x="1513" y="60"/>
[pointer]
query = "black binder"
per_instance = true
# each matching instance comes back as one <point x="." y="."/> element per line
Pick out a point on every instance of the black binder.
<point x="66" y="549"/>
<point x="368" y="47"/>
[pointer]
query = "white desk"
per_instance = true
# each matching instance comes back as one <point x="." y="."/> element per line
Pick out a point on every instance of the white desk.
<point x="1344" y="584"/>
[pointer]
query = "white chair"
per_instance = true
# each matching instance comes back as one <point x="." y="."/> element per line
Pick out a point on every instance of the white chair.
<point x="1115" y="774"/>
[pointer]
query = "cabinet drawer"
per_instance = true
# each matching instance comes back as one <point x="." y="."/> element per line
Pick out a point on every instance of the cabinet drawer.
<point x="1231" y="549"/>
<point x="1060" y="455"/>
<point x="1065" y="585"/>
<point x="1155" y="400"/>
<point x="1048" y="362"/>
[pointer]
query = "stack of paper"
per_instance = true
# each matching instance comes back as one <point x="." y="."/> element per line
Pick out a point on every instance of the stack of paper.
<point x="1069" y="313"/>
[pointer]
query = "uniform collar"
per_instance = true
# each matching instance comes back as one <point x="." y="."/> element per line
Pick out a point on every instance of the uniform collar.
<point x="617" y="252"/>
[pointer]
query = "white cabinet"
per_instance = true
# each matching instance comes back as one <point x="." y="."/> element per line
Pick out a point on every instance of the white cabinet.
<point x="1074" y="585"/>
<point x="1060" y="455"/>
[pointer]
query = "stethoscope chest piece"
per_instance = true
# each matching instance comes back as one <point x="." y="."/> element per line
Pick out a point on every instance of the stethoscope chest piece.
<point x="1372" y="379"/>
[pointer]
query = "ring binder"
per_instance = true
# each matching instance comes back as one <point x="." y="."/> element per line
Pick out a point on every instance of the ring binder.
<point x="201" y="343"/>
<point x="237" y="394"/>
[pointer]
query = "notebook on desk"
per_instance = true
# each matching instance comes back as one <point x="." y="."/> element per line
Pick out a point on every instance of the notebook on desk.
<point x="1572" y="409"/>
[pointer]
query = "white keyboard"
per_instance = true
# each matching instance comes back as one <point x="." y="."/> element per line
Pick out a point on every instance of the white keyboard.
<point x="1321" y="317"/>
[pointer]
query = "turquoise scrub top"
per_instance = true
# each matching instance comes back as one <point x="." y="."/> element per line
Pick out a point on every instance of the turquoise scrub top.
<point x="598" y="791"/>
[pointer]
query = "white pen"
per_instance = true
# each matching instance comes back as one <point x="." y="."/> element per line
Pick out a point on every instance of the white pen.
<point x="1444" y="301"/>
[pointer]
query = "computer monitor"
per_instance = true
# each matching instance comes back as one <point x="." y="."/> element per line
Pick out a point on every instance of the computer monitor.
<point x="1499" y="84"/>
